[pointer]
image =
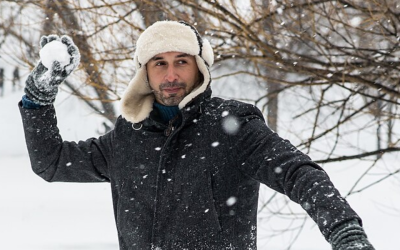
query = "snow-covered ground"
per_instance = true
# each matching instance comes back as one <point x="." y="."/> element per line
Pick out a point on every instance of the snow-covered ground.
<point x="35" y="214"/>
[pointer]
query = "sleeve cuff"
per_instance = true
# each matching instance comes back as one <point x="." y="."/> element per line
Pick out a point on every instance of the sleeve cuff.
<point x="29" y="104"/>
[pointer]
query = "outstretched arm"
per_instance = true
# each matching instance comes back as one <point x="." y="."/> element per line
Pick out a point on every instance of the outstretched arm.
<point x="275" y="162"/>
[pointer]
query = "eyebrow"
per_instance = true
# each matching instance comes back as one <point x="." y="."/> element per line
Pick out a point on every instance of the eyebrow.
<point x="156" y="58"/>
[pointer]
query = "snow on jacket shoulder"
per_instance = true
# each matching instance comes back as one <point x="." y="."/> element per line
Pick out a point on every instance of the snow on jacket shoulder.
<point x="195" y="187"/>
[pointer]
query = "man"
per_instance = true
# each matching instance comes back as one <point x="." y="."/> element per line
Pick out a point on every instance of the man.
<point x="180" y="177"/>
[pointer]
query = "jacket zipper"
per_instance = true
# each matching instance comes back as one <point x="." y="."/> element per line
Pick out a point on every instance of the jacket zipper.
<point x="168" y="131"/>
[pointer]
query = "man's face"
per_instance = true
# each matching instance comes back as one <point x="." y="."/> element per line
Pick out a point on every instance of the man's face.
<point x="172" y="76"/>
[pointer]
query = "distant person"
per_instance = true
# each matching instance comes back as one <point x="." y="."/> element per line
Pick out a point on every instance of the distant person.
<point x="15" y="80"/>
<point x="1" y="82"/>
<point x="184" y="167"/>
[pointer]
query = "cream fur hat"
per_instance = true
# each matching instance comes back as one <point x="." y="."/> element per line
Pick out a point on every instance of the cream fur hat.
<point x="161" y="37"/>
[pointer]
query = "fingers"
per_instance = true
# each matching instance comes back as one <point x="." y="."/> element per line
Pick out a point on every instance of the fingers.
<point x="57" y="74"/>
<point x="46" y="39"/>
<point x="75" y="56"/>
<point x="56" y="68"/>
<point x="53" y="38"/>
<point x="43" y="41"/>
<point x="40" y="68"/>
<point x="67" y="40"/>
<point x="72" y="49"/>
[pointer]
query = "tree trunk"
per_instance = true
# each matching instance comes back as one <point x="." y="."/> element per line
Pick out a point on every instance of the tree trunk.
<point x="87" y="59"/>
<point x="151" y="11"/>
<point x="272" y="88"/>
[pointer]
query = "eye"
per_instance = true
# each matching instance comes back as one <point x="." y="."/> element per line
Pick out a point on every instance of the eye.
<point x="182" y="62"/>
<point x="160" y="63"/>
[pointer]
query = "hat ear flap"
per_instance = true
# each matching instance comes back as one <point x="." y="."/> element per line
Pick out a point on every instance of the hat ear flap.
<point x="207" y="53"/>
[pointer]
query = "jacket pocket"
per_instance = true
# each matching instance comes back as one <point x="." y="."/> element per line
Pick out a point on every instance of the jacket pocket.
<point x="195" y="215"/>
<point x="213" y="210"/>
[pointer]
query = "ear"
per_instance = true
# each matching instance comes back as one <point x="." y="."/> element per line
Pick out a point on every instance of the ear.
<point x="207" y="53"/>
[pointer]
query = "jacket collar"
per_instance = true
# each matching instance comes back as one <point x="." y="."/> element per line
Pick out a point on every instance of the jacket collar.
<point x="196" y="105"/>
<point x="186" y="115"/>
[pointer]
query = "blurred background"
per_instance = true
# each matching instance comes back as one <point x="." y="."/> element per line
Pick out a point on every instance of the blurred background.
<point x="324" y="73"/>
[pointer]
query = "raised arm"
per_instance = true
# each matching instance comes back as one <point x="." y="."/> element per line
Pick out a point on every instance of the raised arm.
<point x="52" y="158"/>
<point x="56" y="160"/>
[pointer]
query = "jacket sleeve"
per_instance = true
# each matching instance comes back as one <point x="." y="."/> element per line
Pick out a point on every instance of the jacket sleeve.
<point x="264" y="156"/>
<point x="56" y="160"/>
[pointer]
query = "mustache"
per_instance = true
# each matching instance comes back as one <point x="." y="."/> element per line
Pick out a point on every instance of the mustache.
<point x="172" y="85"/>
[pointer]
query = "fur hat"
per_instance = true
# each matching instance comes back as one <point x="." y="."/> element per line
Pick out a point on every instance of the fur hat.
<point x="161" y="37"/>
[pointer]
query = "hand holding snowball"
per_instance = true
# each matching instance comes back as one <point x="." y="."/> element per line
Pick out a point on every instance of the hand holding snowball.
<point x="54" y="51"/>
<point x="59" y="57"/>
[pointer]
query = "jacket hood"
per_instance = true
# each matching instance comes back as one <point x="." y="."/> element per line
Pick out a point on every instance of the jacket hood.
<point x="161" y="37"/>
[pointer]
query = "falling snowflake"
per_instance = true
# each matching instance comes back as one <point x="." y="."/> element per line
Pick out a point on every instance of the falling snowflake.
<point x="230" y="125"/>
<point x="356" y="21"/>
<point x="231" y="201"/>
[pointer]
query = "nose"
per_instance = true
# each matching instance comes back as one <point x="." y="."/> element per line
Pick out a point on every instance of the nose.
<point x="171" y="74"/>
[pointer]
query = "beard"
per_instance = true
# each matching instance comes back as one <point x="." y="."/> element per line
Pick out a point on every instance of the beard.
<point x="171" y="99"/>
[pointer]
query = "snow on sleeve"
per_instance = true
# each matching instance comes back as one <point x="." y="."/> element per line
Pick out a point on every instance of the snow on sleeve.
<point x="54" y="51"/>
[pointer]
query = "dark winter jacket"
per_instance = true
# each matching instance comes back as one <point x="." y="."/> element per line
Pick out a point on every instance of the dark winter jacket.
<point x="194" y="186"/>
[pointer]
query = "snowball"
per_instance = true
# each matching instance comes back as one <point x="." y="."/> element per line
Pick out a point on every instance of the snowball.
<point x="54" y="51"/>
